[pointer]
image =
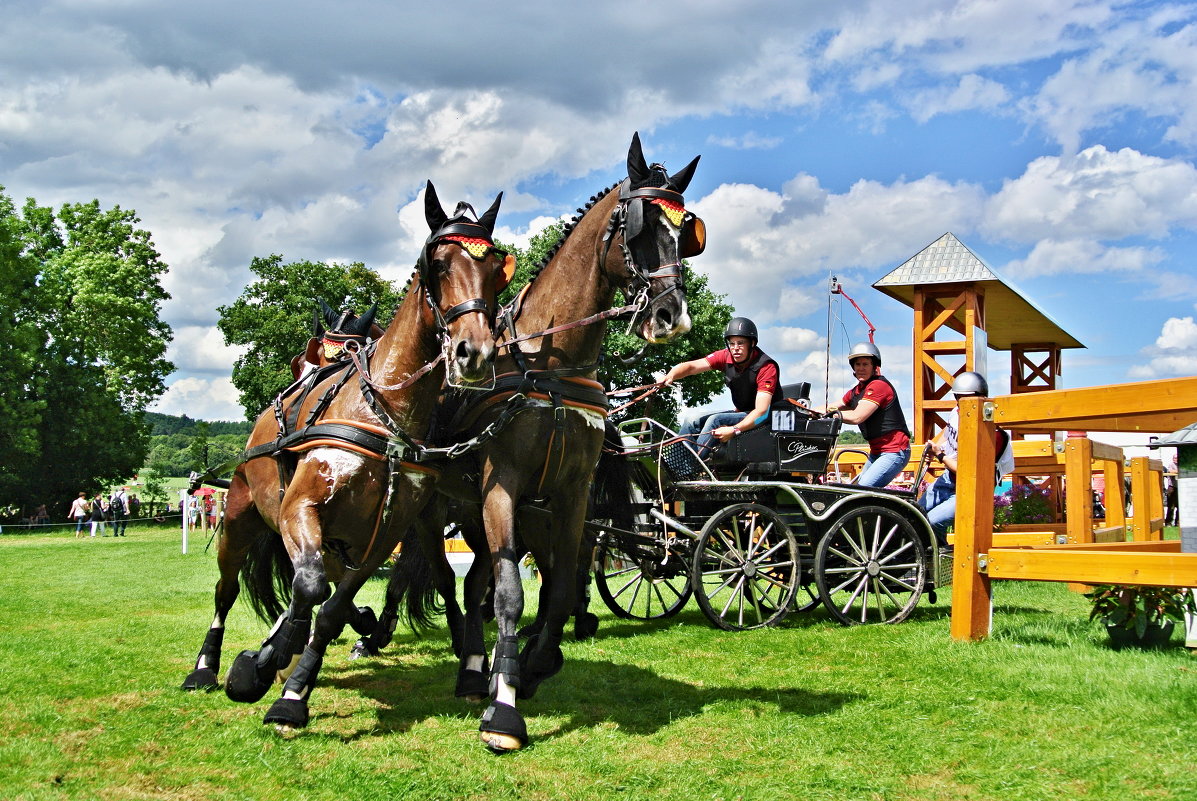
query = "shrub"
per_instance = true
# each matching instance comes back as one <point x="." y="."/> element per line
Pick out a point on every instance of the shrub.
<point x="1022" y="503"/>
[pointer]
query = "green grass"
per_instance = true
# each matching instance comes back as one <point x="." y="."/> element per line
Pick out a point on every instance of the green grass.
<point x="98" y="635"/>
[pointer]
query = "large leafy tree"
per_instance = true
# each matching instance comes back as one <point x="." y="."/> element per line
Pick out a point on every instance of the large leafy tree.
<point x="81" y="305"/>
<point x="273" y="316"/>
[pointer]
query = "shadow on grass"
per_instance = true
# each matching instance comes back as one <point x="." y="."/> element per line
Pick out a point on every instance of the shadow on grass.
<point x="637" y="700"/>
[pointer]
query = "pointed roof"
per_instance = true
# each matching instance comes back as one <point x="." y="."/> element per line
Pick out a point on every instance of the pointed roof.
<point x="1185" y="436"/>
<point x="1010" y="318"/>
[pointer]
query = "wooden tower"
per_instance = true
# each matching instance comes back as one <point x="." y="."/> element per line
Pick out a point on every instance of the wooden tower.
<point x="962" y="308"/>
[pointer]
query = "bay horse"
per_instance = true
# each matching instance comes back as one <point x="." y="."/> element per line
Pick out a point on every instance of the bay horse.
<point x="331" y="332"/>
<point x="344" y="481"/>
<point x="538" y="467"/>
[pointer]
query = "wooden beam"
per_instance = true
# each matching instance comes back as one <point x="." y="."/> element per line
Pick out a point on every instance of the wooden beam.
<point x="1092" y="566"/>
<point x="972" y="596"/>
<point x="1145" y="406"/>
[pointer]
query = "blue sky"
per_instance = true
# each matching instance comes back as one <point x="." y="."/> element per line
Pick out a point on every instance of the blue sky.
<point x="1057" y="140"/>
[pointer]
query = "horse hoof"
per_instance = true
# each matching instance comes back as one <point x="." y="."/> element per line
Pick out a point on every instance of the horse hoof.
<point x="288" y="712"/>
<point x="201" y="679"/>
<point x="585" y="626"/>
<point x="244" y="683"/>
<point x="502" y="728"/>
<point x="362" y="648"/>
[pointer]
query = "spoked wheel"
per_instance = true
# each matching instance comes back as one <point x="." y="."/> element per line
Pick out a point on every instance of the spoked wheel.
<point x="746" y="568"/>
<point x="870" y="567"/>
<point x="647" y="584"/>
<point x="807" y="598"/>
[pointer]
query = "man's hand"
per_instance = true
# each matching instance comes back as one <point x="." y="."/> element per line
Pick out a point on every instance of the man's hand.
<point x="724" y="433"/>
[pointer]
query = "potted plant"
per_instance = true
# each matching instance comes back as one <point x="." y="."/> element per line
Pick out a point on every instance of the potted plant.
<point x="1140" y="616"/>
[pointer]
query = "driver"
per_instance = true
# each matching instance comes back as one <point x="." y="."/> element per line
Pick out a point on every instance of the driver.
<point x="749" y="373"/>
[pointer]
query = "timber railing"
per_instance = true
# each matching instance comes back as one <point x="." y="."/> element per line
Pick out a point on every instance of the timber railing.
<point x="1087" y="553"/>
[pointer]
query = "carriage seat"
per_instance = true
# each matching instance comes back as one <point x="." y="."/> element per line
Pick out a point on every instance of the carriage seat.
<point x="791" y="442"/>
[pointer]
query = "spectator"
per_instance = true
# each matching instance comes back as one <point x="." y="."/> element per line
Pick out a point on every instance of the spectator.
<point x="1171" y="496"/>
<point x="118" y="503"/>
<point x="134" y="506"/>
<point x="41" y="517"/>
<point x="99" y="512"/>
<point x="80" y="510"/>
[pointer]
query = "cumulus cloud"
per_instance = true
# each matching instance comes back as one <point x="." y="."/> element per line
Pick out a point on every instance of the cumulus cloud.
<point x="1097" y="194"/>
<point x="773" y="251"/>
<point x="200" y="398"/>
<point x="1075" y="256"/>
<point x="1174" y="353"/>
<point x="972" y="92"/>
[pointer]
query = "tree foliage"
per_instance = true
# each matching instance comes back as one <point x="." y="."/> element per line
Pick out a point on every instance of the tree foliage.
<point x="273" y="316"/>
<point x="80" y="312"/>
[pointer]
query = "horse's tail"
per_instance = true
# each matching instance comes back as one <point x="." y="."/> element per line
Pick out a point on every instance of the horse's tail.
<point x="611" y="491"/>
<point x="267" y="575"/>
<point x="412" y="584"/>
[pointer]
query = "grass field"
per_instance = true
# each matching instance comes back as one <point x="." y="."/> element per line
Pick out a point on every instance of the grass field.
<point x="98" y="635"/>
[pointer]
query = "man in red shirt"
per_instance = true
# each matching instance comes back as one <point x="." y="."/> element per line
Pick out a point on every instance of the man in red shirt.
<point x="873" y="405"/>
<point x="752" y="377"/>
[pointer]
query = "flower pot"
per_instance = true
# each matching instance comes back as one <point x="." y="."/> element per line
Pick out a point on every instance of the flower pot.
<point x="1156" y="636"/>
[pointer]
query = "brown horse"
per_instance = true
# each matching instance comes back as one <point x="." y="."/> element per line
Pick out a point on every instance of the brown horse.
<point x="331" y="332"/>
<point x="344" y="482"/>
<point x="537" y="470"/>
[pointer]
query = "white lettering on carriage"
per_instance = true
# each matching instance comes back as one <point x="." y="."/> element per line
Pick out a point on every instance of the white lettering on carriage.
<point x="339" y="464"/>
<point x="796" y="450"/>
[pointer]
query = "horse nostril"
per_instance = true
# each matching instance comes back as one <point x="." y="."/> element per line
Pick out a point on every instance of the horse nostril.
<point x="465" y="352"/>
<point x="665" y="318"/>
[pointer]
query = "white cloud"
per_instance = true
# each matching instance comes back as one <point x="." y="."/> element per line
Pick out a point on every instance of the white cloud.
<point x="201" y="399"/>
<point x="1097" y="194"/>
<point x="972" y="92"/>
<point x="1078" y="256"/>
<point x="772" y="252"/>
<point x="202" y="348"/>
<point x="1174" y="353"/>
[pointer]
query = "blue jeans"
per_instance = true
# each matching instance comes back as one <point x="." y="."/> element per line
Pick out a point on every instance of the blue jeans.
<point x="880" y="470"/>
<point x="703" y="426"/>
<point x="939" y="502"/>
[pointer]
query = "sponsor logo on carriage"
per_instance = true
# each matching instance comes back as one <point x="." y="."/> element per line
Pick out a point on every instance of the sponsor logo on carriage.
<point x="796" y="449"/>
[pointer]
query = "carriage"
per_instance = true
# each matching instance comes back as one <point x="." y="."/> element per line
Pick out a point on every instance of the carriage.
<point x="758" y="533"/>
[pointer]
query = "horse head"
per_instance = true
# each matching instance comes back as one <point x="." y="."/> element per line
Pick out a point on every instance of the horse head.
<point x="657" y="233"/>
<point x="462" y="272"/>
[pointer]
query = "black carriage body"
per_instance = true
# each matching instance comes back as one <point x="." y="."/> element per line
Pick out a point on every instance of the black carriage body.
<point x="790" y="444"/>
<point x="855" y="545"/>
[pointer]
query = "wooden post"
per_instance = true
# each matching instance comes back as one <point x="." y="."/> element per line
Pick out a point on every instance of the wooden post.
<point x="972" y="596"/>
<point x="1140" y="499"/>
<point x="1115" y="497"/>
<point x="1078" y="472"/>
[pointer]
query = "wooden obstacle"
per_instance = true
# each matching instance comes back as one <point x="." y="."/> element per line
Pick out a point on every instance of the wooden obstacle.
<point x="1084" y="555"/>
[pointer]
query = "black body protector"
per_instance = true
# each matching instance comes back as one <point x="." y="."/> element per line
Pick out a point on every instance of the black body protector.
<point x="884" y="420"/>
<point x="742" y="383"/>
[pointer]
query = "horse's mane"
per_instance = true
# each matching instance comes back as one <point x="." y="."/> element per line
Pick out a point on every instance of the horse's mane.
<point x="657" y="177"/>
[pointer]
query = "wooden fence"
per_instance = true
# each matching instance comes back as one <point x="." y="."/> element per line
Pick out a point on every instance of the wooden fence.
<point x="1081" y="551"/>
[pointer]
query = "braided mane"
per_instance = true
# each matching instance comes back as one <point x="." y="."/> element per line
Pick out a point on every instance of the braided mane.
<point x="568" y="229"/>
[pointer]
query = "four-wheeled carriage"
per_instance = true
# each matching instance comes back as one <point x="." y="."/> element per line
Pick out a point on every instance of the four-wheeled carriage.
<point x="753" y="535"/>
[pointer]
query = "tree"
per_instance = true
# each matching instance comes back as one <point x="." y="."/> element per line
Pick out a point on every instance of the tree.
<point x="90" y="346"/>
<point x="273" y="316"/>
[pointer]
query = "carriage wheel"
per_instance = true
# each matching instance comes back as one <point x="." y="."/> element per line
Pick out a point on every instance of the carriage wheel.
<point x="746" y="567"/>
<point x="870" y="567"/>
<point x="807" y="598"/>
<point x="647" y="585"/>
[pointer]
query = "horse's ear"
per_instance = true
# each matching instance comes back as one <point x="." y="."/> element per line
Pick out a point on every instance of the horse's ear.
<point x="487" y="220"/>
<point x="637" y="167"/>
<point x="330" y="316"/>
<point x="681" y="179"/>
<point x="366" y="320"/>
<point x="433" y="213"/>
